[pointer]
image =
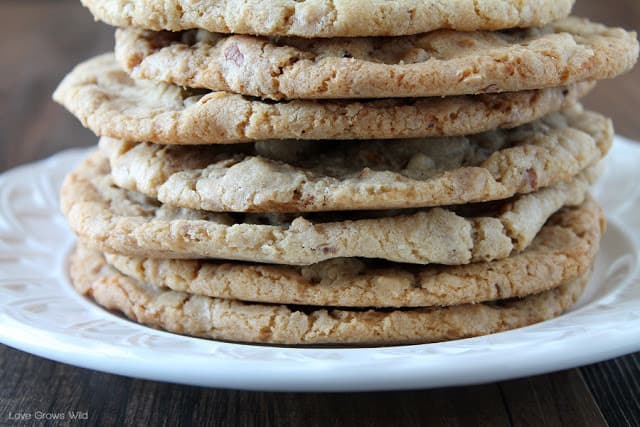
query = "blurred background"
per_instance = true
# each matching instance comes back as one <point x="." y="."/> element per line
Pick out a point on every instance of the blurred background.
<point x="44" y="39"/>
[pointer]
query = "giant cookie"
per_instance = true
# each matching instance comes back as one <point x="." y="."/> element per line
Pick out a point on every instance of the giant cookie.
<point x="118" y="220"/>
<point x="328" y="18"/>
<point x="110" y="103"/>
<point x="563" y="251"/>
<point x="231" y="320"/>
<point x="441" y="63"/>
<point x="299" y="176"/>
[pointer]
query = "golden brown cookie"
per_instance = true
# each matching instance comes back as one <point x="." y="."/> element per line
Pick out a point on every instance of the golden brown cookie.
<point x="562" y="252"/>
<point x="440" y="63"/>
<point x="230" y="320"/>
<point x="110" y="103"/>
<point x="122" y="221"/>
<point x="299" y="176"/>
<point x="328" y="18"/>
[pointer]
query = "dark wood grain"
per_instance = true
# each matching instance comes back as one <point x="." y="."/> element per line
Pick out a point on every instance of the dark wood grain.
<point x="616" y="386"/>
<point x="40" y="385"/>
<point x="550" y="400"/>
<point x="45" y="39"/>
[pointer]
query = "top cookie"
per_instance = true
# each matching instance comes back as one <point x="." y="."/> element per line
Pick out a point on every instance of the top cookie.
<point x="328" y="18"/>
<point x="441" y="63"/>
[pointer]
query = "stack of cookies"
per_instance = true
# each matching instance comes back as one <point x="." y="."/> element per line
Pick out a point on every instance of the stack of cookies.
<point x="336" y="172"/>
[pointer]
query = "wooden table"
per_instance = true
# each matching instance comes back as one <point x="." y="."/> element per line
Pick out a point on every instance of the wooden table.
<point x="41" y="41"/>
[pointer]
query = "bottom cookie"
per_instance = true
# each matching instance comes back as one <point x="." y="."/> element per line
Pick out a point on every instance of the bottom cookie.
<point x="230" y="320"/>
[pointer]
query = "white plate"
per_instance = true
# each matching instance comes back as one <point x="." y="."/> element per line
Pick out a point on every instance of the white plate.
<point x="41" y="314"/>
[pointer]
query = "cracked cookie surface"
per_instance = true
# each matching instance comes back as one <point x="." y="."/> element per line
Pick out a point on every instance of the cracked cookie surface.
<point x="563" y="251"/>
<point x="441" y="63"/>
<point x="299" y="176"/>
<point x="122" y="221"/>
<point x="110" y="103"/>
<point x="328" y="18"/>
<point x="231" y="320"/>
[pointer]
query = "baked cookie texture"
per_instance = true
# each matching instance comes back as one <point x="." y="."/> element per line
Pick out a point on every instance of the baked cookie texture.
<point x="328" y="18"/>
<point x="440" y="63"/>
<point x="110" y="103"/>
<point x="337" y="172"/>
<point x="299" y="176"/>
<point x="122" y="221"/>
<point x="231" y="320"/>
<point x="562" y="252"/>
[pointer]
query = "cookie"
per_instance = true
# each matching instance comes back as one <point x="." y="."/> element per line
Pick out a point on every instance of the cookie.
<point x="562" y="252"/>
<point x="118" y="220"/>
<point x="299" y="176"/>
<point x="110" y="103"/>
<point x="441" y="63"/>
<point x="231" y="320"/>
<point x="328" y="18"/>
